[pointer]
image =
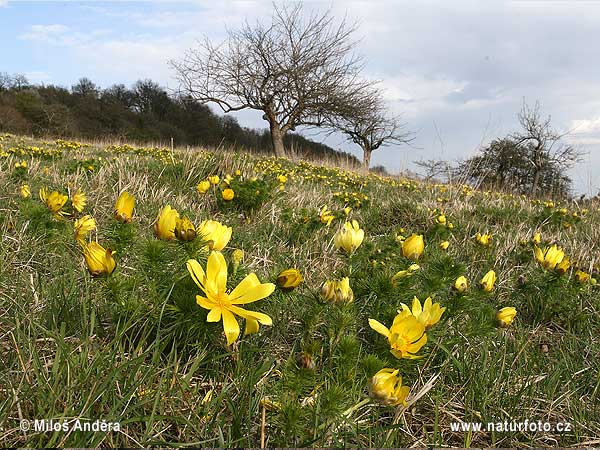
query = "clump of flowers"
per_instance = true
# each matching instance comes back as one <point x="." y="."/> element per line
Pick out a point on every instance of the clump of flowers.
<point x="325" y="216"/>
<point x="549" y="257"/>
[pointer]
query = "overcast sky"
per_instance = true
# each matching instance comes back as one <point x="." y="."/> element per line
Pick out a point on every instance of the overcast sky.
<point x="457" y="71"/>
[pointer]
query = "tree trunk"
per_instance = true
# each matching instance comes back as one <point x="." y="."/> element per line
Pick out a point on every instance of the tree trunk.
<point x="277" y="139"/>
<point x="536" y="181"/>
<point x="366" y="159"/>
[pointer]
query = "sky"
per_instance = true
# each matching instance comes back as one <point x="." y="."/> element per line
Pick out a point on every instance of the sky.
<point x="458" y="72"/>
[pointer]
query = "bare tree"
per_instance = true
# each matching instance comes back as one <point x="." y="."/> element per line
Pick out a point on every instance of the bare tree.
<point x="295" y="70"/>
<point x="365" y="120"/>
<point x="544" y="146"/>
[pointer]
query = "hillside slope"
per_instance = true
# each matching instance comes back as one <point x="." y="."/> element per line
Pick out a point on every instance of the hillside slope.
<point x="135" y="347"/>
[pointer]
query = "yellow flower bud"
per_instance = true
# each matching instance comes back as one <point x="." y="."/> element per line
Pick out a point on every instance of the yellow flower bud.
<point x="289" y="279"/>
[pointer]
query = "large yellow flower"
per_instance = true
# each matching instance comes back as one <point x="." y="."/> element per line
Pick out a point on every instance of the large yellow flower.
<point x="78" y="201"/>
<point x="224" y="305"/>
<point x="386" y="387"/>
<point x="54" y="201"/>
<point x="406" y="335"/>
<point x="164" y="227"/>
<point x="82" y="227"/>
<point x="124" y="207"/>
<point x="349" y="237"/>
<point x="99" y="260"/>
<point x="413" y="247"/>
<point x="429" y="314"/>
<point x="550" y="257"/>
<point x="215" y="233"/>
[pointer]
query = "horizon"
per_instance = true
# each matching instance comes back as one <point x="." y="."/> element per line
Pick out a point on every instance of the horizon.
<point x="456" y="95"/>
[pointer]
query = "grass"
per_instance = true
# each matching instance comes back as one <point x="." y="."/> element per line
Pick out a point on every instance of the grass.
<point x="135" y="348"/>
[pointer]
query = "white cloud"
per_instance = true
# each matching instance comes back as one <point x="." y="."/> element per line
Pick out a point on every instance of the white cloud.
<point x="45" y="33"/>
<point x="38" y="77"/>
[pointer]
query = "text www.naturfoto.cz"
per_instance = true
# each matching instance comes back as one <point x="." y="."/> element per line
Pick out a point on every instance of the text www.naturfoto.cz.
<point x="526" y="425"/>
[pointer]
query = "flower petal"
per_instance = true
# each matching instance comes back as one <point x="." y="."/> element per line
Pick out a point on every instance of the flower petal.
<point x="251" y="327"/>
<point x="216" y="272"/>
<point x="262" y="318"/>
<point x="197" y="272"/>
<point x="247" y="283"/>
<point x="379" y="327"/>
<point x="214" y="315"/>
<point x="253" y="294"/>
<point x="230" y="327"/>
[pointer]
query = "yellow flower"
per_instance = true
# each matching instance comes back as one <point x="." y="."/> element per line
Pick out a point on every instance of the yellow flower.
<point x="203" y="186"/>
<point x="237" y="256"/>
<point x="124" y="207"/>
<point x="347" y="210"/>
<point x="54" y="201"/>
<point x="413" y="247"/>
<point x="325" y="216"/>
<point x="405" y="273"/>
<point x="488" y="281"/>
<point x="406" y="335"/>
<point x="78" y="201"/>
<point x="184" y="229"/>
<point x="214" y="179"/>
<point x="164" y="227"/>
<point x="82" y="227"/>
<point x="217" y="234"/>
<point x="537" y="238"/>
<point x="441" y="219"/>
<point x="386" y="387"/>
<point x="282" y="178"/>
<point x="21" y="165"/>
<point x="428" y="315"/>
<point x="444" y="245"/>
<point x="563" y="266"/>
<point x="289" y="279"/>
<point x="25" y="191"/>
<point x="483" y="239"/>
<point x="550" y="257"/>
<point x="223" y="305"/>
<point x="349" y="237"/>
<point x="338" y="291"/>
<point x="227" y="194"/>
<point x="582" y="276"/>
<point x="98" y="259"/>
<point x="461" y="284"/>
<point x="506" y="315"/>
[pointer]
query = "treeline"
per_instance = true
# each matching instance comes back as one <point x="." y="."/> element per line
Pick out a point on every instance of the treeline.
<point x="144" y="113"/>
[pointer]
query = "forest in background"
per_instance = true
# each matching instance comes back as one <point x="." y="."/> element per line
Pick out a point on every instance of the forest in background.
<point x="145" y="113"/>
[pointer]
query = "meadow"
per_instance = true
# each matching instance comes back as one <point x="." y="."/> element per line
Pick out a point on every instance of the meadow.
<point x="104" y="303"/>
